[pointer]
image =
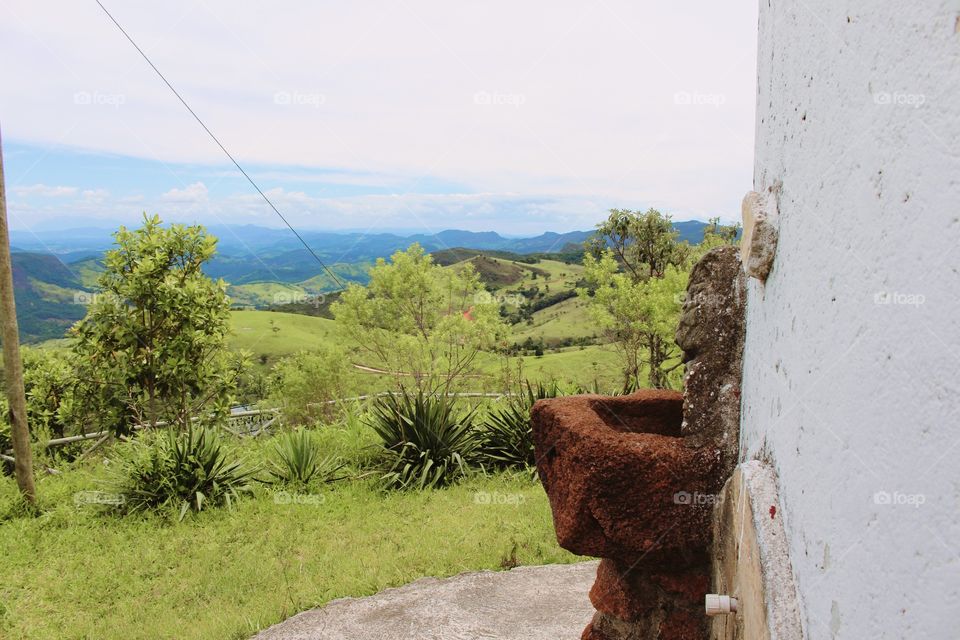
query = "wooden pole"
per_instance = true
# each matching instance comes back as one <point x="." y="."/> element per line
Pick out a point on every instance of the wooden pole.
<point x="13" y="366"/>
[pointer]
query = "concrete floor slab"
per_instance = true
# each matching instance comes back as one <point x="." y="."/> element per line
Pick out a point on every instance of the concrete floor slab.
<point x="527" y="603"/>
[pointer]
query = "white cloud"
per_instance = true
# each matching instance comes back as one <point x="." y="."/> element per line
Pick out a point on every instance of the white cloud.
<point x="193" y="194"/>
<point x="44" y="191"/>
<point x="576" y="100"/>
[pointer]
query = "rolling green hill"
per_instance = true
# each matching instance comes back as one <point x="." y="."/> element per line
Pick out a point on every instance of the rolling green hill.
<point x="274" y="334"/>
<point x="47" y="297"/>
<point x="253" y="331"/>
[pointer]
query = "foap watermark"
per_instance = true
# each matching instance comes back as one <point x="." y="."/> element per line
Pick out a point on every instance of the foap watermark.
<point x="299" y="99"/>
<point x="97" y="98"/>
<point x="297" y="297"/>
<point x="692" y="98"/>
<point x="702" y="298"/>
<point x="495" y="497"/>
<point x="506" y="299"/>
<point x="88" y="298"/>
<point x="898" y="498"/>
<point x="899" y="298"/>
<point x="292" y="497"/>
<point x="695" y="498"/>
<point x="497" y="98"/>
<point x="108" y="498"/>
<point x="898" y="99"/>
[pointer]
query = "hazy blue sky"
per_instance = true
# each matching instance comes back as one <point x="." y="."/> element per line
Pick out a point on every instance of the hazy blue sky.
<point x="510" y="116"/>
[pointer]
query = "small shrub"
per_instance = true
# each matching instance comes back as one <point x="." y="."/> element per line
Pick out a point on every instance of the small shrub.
<point x="297" y="461"/>
<point x="507" y="437"/>
<point x="188" y="470"/>
<point x="428" y="443"/>
<point x="306" y="385"/>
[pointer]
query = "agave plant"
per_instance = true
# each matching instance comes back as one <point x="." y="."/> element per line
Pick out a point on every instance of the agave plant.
<point x="187" y="470"/>
<point x="427" y="441"/>
<point x="297" y="461"/>
<point x="506" y="440"/>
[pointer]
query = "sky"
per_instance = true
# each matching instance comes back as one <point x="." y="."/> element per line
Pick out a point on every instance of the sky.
<point x="516" y="117"/>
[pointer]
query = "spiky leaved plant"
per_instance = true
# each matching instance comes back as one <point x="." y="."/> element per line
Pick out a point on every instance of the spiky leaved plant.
<point x="185" y="471"/>
<point x="297" y="461"/>
<point x="428" y="443"/>
<point x="506" y="440"/>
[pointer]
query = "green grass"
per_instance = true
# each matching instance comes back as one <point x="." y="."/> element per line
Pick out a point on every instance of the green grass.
<point x="574" y="366"/>
<point x="75" y="573"/>
<point x="261" y="294"/>
<point x="559" y="275"/>
<point x="87" y="271"/>
<point x="566" y="319"/>
<point x="53" y="292"/>
<point x="253" y="332"/>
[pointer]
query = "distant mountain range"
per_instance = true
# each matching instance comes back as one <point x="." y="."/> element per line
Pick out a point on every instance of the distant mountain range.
<point x="240" y="241"/>
<point x="261" y="264"/>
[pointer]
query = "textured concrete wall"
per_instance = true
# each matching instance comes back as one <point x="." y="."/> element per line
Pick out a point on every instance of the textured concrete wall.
<point x="852" y="348"/>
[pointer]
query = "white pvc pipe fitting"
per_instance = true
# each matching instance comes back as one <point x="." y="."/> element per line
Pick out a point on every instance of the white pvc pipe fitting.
<point x="718" y="605"/>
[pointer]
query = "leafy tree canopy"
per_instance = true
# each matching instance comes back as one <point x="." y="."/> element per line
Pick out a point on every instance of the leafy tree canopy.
<point x="152" y="346"/>
<point x="423" y="323"/>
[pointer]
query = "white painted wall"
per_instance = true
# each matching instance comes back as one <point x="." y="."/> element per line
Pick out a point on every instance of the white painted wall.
<point x="859" y="117"/>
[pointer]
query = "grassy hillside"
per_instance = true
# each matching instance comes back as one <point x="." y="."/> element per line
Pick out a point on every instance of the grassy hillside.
<point x="274" y="334"/>
<point x="87" y="270"/>
<point x="566" y="319"/>
<point x="586" y="367"/>
<point x="46" y="295"/>
<point x="253" y="331"/>
<point x="260" y="294"/>
<point x="494" y="272"/>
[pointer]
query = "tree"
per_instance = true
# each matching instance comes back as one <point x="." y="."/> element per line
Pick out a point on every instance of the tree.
<point x="152" y="346"/>
<point x="716" y="234"/>
<point x="636" y="274"/>
<point x="49" y="383"/>
<point x="422" y="323"/>
<point x="307" y="384"/>
<point x="13" y="367"/>
<point x="643" y="243"/>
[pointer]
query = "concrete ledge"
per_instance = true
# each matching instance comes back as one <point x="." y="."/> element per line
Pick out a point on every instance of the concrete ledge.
<point x="527" y="603"/>
<point x="751" y="560"/>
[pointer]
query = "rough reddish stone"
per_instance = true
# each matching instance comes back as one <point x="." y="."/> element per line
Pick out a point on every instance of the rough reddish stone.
<point x="631" y="479"/>
<point x="622" y="593"/>
<point x="616" y="472"/>
<point x="633" y="593"/>
<point x="684" y="625"/>
<point x="590" y="633"/>
<point x="692" y="585"/>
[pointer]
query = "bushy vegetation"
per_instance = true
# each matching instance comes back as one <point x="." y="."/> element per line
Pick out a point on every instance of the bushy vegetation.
<point x="423" y="324"/>
<point x="179" y="471"/>
<point x="636" y="274"/>
<point x="506" y="440"/>
<point x="152" y="347"/>
<point x="307" y="385"/>
<point x="428" y="442"/>
<point x="298" y="461"/>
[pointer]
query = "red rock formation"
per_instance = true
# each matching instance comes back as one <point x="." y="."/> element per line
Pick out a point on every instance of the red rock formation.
<point x="632" y="479"/>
